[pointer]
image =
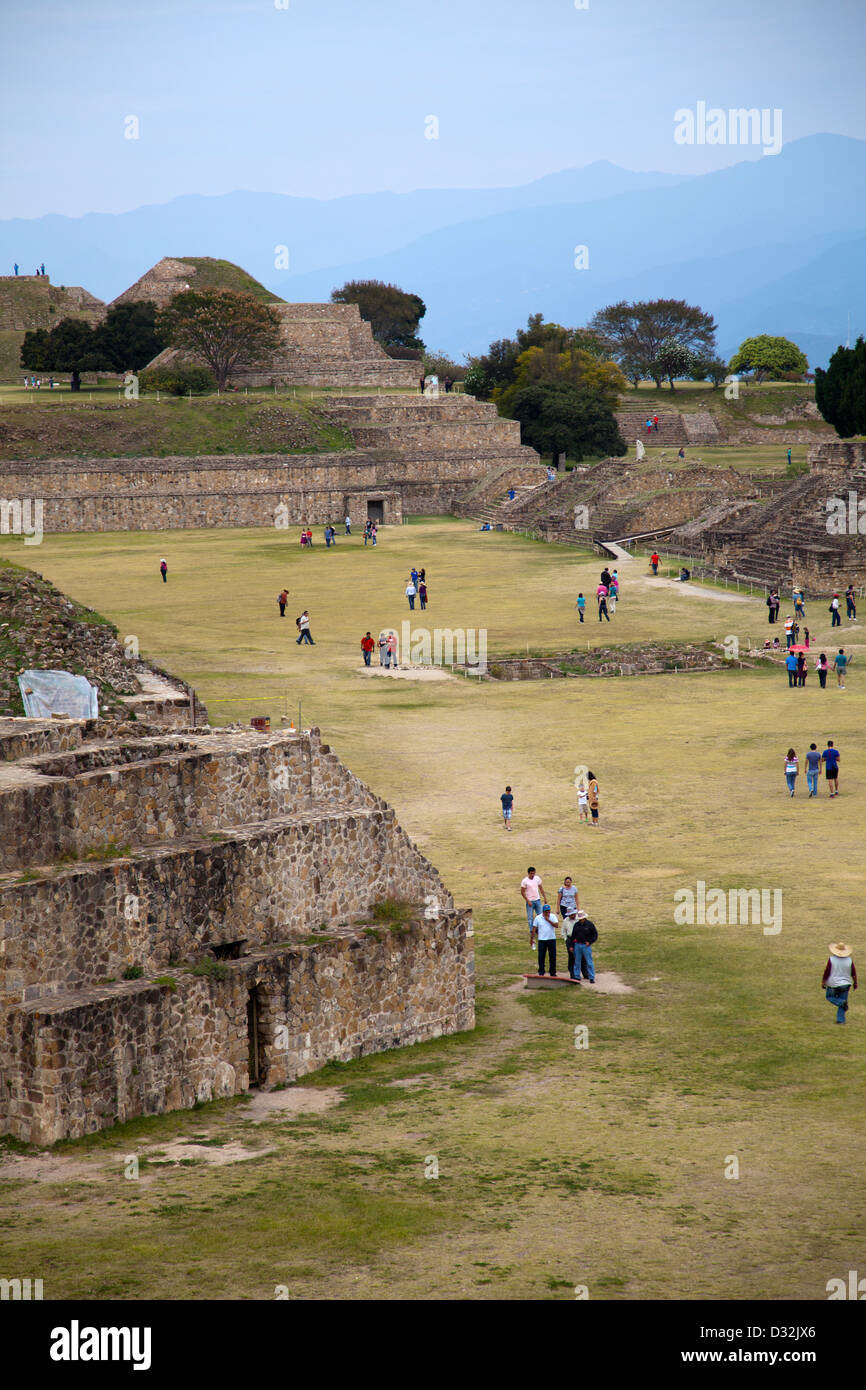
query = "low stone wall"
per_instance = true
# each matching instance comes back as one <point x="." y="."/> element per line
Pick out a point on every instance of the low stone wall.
<point x="272" y="882"/>
<point x="85" y="1061"/>
<point x="147" y="791"/>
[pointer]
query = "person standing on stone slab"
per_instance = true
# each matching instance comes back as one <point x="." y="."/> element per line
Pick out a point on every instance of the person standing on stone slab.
<point x="545" y="929"/>
<point x="840" y="975"/>
<point x="583" y="937"/>
<point x="163" y="569"/>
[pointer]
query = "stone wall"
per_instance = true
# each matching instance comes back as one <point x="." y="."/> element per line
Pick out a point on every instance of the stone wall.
<point x="87" y="1060"/>
<point x="261" y="847"/>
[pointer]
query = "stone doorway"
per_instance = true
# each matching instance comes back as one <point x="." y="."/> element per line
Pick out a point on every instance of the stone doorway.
<point x="256" y="1052"/>
<point x="376" y="510"/>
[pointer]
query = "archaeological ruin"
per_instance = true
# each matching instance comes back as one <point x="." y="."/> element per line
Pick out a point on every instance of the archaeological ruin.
<point x="185" y="915"/>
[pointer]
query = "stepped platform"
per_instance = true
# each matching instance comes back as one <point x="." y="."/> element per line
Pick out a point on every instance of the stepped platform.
<point x="182" y="917"/>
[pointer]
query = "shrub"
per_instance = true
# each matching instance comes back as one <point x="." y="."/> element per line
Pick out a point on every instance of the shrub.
<point x="177" y="380"/>
<point x="133" y="972"/>
<point x="212" y="969"/>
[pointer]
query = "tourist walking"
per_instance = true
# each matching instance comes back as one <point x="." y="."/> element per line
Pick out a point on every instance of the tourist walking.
<point x="840" y="975"/>
<point x="422" y="594"/>
<point x="581" y="606"/>
<point x="802" y="673"/>
<point x="841" y="662"/>
<point x="799" y="610"/>
<point x="789" y="631"/>
<point x="411" y="593"/>
<point x="163" y="569"/>
<point x="656" y="423"/>
<point x="583" y="937"/>
<point x="545" y="926"/>
<point x="601" y="597"/>
<point x="813" y="769"/>
<point x="507" y="799"/>
<point x="792" y="767"/>
<point x="282" y="600"/>
<point x="582" y="799"/>
<point x="531" y="891"/>
<point x="383" y="647"/>
<point x="830" y="757"/>
<point x="374" y="533"/>
<point x="367" y="646"/>
<point x="367" y="530"/>
<point x="391" y="651"/>
<point x="851" y="606"/>
<point x="592" y="796"/>
<point x="822" y="666"/>
<point x="348" y="526"/>
<point x="654" y="561"/>
<point x="773" y="606"/>
<point x="836" y="619"/>
<point x="303" y="625"/>
<point x="791" y="664"/>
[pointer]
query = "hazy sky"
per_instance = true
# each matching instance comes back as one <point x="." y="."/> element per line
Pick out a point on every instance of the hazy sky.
<point x="328" y="97"/>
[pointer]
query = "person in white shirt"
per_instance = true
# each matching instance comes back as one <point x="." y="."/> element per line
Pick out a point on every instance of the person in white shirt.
<point x="545" y="926"/>
<point x="567" y="905"/>
<point x="348" y="526"/>
<point x="411" y="591"/>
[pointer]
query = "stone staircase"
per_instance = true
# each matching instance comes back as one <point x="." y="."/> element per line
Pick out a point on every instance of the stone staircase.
<point x="671" y="433"/>
<point x="182" y="917"/>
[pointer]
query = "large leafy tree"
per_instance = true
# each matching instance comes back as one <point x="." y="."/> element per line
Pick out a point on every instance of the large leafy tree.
<point x="840" y="392"/>
<point x="768" y="356"/>
<point x="128" y="337"/>
<point x="573" y="366"/>
<point x="224" y="329"/>
<point x="633" y="333"/>
<point x="71" y="345"/>
<point x="497" y="369"/>
<point x="393" y="314"/>
<point x="560" y="418"/>
<point x="126" y="340"/>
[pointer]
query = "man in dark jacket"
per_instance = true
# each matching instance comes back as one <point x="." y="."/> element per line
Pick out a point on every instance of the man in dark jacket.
<point x="583" y="937"/>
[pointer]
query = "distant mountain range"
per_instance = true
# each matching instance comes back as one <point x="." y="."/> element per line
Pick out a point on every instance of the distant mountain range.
<point x="768" y="245"/>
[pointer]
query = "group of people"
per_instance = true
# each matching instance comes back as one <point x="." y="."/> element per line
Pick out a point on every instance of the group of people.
<point x="829" y="759"/>
<point x="416" y="587"/>
<point x="40" y="270"/>
<point x="388" y="650"/>
<point x="579" y="933"/>
<point x="652" y="424"/>
<point x="35" y="383"/>
<point x="371" y="533"/>
<point x="586" y="785"/>
<point x="774" y="604"/>
<point x="795" y="664"/>
<point x="606" y="596"/>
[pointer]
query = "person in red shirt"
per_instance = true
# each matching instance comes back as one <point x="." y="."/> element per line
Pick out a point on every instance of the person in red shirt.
<point x="367" y="645"/>
<point x="654" y="561"/>
<point x="656" y="423"/>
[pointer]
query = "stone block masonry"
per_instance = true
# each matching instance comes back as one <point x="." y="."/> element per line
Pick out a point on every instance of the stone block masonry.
<point x="261" y="851"/>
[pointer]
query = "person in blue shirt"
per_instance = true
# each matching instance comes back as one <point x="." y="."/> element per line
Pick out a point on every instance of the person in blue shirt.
<point x="830" y="758"/>
<point x="791" y="663"/>
<point x="581" y="606"/>
<point x="840" y="661"/>
<point x="813" y="768"/>
<point x="507" y="800"/>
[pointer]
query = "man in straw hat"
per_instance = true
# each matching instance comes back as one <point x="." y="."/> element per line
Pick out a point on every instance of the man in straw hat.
<point x="839" y="976"/>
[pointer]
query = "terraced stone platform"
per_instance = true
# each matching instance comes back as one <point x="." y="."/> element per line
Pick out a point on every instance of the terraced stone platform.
<point x="183" y="916"/>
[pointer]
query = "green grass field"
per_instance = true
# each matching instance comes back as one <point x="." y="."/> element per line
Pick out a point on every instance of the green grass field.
<point x="557" y="1166"/>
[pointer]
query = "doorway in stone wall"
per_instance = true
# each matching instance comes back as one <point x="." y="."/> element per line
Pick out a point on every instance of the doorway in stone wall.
<point x="376" y="510"/>
<point x="256" y="1058"/>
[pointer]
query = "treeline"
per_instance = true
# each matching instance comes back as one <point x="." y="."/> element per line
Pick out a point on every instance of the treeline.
<point x="126" y="340"/>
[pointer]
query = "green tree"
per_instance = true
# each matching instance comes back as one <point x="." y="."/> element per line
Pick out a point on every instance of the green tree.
<point x="226" y="330"/>
<point x="768" y="356"/>
<point x="72" y="345"/>
<point x="559" y="418"/>
<point x="712" y="367"/>
<point x="128" y="338"/>
<point x="392" y="313"/>
<point x="673" y="359"/>
<point x="497" y="369"/>
<point x="840" y="392"/>
<point x="633" y="333"/>
<point x="548" y="366"/>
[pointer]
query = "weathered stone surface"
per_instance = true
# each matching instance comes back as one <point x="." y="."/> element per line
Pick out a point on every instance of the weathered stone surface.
<point x="261" y="850"/>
